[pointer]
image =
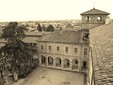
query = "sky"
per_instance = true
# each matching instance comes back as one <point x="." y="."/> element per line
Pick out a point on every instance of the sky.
<point x="27" y="10"/>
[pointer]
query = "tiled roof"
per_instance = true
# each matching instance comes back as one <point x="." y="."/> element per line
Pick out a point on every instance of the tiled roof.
<point x="30" y="40"/>
<point x="94" y="12"/>
<point x="102" y="53"/>
<point x="34" y="33"/>
<point x="27" y="40"/>
<point x="31" y="37"/>
<point x="64" y="36"/>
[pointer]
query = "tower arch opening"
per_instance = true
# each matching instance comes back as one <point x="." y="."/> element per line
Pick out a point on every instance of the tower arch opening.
<point x="87" y="18"/>
<point x="99" y="18"/>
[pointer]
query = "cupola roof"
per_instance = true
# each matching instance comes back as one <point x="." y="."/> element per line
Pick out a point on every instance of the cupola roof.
<point x="95" y="12"/>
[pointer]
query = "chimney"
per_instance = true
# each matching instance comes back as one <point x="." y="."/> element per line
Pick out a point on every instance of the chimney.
<point x="61" y="30"/>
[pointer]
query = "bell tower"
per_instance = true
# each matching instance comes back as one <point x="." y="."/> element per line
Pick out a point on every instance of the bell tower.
<point x="93" y="18"/>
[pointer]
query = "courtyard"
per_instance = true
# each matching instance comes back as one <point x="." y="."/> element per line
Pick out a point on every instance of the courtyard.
<point x="49" y="76"/>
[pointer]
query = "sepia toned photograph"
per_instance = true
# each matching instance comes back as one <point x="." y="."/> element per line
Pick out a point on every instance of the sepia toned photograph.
<point x="56" y="42"/>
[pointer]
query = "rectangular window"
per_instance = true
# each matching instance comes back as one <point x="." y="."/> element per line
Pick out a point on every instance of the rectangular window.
<point x="49" y="47"/>
<point x="85" y="51"/>
<point x="86" y="36"/>
<point x="66" y="49"/>
<point x="75" y="50"/>
<point x="42" y="47"/>
<point x="58" y="48"/>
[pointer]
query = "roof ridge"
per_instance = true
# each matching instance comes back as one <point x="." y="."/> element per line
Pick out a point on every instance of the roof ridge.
<point x="95" y="11"/>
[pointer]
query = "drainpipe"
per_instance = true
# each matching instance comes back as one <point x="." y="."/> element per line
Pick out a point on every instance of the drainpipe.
<point x="46" y="54"/>
<point x="93" y="75"/>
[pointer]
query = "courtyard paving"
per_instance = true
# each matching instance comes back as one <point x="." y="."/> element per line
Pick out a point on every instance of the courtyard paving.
<point x="49" y="76"/>
<point x="18" y="82"/>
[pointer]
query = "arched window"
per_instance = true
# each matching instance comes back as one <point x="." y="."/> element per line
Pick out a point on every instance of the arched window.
<point x="87" y="18"/>
<point x="99" y="18"/>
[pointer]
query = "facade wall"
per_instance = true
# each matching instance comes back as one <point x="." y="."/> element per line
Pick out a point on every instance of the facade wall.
<point x="70" y="55"/>
<point x="62" y="48"/>
<point x="93" y="21"/>
<point x="90" y="26"/>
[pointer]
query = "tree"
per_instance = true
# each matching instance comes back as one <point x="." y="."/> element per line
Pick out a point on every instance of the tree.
<point x="39" y="28"/>
<point x="50" y="28"/>
<point x="44" y="28"/>
<point x="15" y="49"/>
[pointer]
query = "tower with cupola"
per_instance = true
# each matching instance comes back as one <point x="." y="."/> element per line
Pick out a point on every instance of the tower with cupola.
<point x="93" y="18"/>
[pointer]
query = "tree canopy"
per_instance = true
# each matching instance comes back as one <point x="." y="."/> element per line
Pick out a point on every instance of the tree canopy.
<point x="15" y="48"/>
<point x="39" y="28"/>
<point x="50" y="28"/>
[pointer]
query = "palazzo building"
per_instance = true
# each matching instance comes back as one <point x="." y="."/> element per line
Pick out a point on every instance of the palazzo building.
<point x="66" y="50"/>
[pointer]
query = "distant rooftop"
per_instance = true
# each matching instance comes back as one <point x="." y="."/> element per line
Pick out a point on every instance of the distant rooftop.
<point x="36" y="33"/>
<point x="94" y="12"/>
